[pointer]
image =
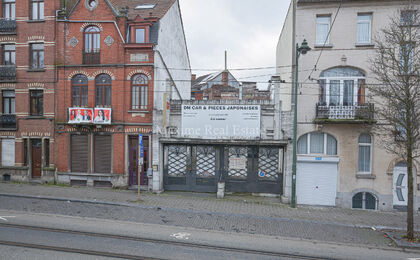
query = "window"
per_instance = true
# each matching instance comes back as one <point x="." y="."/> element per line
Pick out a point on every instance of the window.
<point x="37" y="56"/>
<point x="317" y="143"/>
<point x="103" y="90"/>
<point x="406" y="58"/>
<point x="364" y="200"/>
<point x="9" y="12"/>
<point x="9" y="54"/>
<point x="92" y="45"/>
<point x="364" y="28"/>
<point x="37" y="9"/>
<point x="322" y="29"/>
<point x="37" y="102"/>
<point x="139" y="91"/>
<point x="365" y="151"/>
<point x="342" y="86"/>
<point x="408" y="17"/>
<point x="140" y="36"/>
<point x="7" y="152"/>
<point x="8" y="102"/>
<point x="80" y="91"/>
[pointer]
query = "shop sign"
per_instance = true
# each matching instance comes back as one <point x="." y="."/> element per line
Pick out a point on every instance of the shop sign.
<point x="221" y="121"/>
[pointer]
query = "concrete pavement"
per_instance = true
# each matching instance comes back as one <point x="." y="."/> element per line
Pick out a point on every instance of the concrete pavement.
<point x="232" y="204"/>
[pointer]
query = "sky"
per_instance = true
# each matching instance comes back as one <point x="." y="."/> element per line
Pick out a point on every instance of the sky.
<point x="247" y="29"/>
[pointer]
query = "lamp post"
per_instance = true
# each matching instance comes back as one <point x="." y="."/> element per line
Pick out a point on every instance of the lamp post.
<point x="303" y="49"/>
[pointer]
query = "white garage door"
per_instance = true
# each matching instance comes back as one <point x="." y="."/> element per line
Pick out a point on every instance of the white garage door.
<point x="316" y="183"/>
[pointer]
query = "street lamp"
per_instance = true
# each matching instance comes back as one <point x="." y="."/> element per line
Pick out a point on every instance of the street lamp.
<point x="303" y="49"/>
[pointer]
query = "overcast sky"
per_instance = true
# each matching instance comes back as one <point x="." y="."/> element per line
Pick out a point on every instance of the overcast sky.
<point x="247" y="29"/>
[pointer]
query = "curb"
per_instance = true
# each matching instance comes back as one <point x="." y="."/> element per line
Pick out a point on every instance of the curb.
<point x="401" y="242"/>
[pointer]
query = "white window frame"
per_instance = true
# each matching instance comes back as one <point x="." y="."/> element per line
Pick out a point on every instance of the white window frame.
<point x="361" y="21"/>
<point x="318" y="22"/>
<point x="308" y="144"/>
<point x="342" y="79"/>
<point x="370" y="155"/>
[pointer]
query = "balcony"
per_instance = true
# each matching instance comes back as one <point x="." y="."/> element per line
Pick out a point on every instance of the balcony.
<point x="93" y="57"/>
<point x="7" y="26"/>
<point x="8" y="121"/>
<point x="358" y="113"/>
<point x="8" y="73"/>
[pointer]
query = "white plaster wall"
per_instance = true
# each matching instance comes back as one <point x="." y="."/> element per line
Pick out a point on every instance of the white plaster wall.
<point x="284" y="59"/>
<point x="343" y="39"/>
<point x="173" y="49"/>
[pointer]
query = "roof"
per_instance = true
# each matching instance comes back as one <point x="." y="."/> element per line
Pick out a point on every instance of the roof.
<point x="202" y="80"/>
<point x="160" y="9"/>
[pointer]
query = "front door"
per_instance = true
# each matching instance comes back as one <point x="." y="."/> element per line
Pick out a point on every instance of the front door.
<point x="400" y="191"/>
<point x="36" y="158"/>
<point x="133" y="162"/>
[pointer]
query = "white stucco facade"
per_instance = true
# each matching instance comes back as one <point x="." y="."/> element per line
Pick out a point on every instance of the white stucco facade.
<point x="341" y="51"/>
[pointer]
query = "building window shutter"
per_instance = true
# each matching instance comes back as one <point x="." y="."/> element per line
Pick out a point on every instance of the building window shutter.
<point x="8" y="152"/>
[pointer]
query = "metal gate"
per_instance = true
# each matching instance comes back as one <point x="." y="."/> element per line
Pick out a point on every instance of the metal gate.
<point x="190" y="168"/>
<point x="243" y="168"/>
<point x="254" y="169"/>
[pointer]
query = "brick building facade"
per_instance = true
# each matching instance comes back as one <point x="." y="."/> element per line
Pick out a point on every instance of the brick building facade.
<point x="27" y="85"/>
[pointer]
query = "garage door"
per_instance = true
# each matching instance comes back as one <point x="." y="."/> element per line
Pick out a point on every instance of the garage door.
<point x="316" y="183"/>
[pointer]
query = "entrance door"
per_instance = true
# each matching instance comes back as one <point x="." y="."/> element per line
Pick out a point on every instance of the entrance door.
<point x="400" y="185"/>
<point x="191" y="168"/>
<point x="133" y="145"/>
<point x="36" y="158"/>
<point x="253" y="169"/>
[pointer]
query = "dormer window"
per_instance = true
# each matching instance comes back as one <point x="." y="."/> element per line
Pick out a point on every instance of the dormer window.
<point x="140" y="35"/>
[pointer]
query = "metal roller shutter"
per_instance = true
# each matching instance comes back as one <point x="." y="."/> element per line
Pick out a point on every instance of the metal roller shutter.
<point x="103" y="151"/>
<point x="79" y="153"/>
<point x="8" y="152"/>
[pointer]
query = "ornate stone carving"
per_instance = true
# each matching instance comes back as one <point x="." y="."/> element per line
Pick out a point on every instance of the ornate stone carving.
<point x="109" y="40"/>
<point x="73" y="42"/>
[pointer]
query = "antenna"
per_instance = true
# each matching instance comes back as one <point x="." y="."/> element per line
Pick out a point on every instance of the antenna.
<point x="225" y="60"/>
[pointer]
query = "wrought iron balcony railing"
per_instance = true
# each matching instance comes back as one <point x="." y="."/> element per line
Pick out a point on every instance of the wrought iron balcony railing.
<point x="7" y="26"/>
<point x="93" y="57"/>
<point x="7" y="73"/>
<point x="8" y="121"/>
<point x="357" y="112"/>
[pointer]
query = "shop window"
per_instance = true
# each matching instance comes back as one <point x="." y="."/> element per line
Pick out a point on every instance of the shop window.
<point x="364" y="200"/>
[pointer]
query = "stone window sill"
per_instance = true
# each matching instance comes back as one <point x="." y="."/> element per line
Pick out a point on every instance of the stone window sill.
<point x="365" y="176"/>
<point x="139" y="111"/>
<point x="35" y="70"/>
<point x="322" y="46"/>
<point x="371" y="45"/>
<point x="35" y="21"/>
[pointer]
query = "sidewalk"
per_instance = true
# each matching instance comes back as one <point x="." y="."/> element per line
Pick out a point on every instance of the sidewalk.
<point x="207" y="202"/>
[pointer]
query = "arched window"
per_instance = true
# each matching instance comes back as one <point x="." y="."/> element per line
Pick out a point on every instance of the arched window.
<point x="79" y="91"/>
<point x="364" y="200"/>
<point x="342" y="86"/>
<point x="92" y="45"/>
<point x="139" y="92"/>
<point x="365" y="152"/>
<point x="103" y="90"/>
<point x="317" y="143"/>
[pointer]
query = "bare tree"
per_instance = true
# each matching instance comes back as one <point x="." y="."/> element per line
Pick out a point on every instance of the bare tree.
<point x="396" y="66"/>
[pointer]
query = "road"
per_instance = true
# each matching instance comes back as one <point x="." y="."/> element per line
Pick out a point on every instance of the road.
<point x="51" y="236"/>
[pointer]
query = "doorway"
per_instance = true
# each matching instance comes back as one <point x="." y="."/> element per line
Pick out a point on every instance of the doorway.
<point x="133" y="146"/>
<point x="36" y="148"/>
<point x="400" y="191"/>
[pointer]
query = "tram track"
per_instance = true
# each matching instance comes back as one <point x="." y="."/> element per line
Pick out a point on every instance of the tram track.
<point x="138" y="239"/>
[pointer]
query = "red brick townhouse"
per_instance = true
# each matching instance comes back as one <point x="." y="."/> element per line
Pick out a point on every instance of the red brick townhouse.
<point x="117" y="61"/>
<point x="27" y="85"/>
